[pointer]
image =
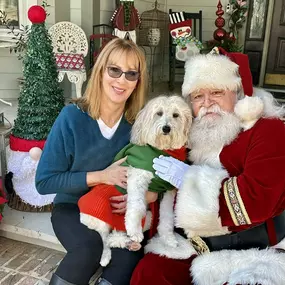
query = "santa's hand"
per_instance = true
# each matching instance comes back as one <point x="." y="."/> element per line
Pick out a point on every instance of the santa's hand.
<point x="170" y="169"/>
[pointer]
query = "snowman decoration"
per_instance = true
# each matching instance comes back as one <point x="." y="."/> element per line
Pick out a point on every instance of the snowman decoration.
<point x="23" y="165"/>
<point x="181" y="32"/>
<point x="30" y="130"/>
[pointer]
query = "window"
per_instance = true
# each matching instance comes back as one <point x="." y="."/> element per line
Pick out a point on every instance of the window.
<point x="257" y="19"/>
<point x="17" y="13"/>
<point x="10" y="9"/>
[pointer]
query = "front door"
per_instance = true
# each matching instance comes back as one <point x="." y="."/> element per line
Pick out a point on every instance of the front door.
<point x="255" y="34"/>
<point x="275" y="68"/>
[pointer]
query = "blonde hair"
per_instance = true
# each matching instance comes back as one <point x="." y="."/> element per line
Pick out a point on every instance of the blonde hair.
<point x="91" y="100"/>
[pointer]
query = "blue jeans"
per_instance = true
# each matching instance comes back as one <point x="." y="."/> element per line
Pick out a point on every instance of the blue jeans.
<point x="84" y="248"/>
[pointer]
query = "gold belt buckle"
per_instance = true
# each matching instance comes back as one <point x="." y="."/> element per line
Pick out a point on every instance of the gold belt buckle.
<point x="199" y="245"/>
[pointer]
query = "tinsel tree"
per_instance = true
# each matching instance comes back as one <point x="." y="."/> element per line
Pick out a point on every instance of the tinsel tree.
<point x="41" y="99"/>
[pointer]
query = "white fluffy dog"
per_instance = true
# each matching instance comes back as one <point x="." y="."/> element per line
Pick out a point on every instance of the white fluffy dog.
<point x="163" y="124"/>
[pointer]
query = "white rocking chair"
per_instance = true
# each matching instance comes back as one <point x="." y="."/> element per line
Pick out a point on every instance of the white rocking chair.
<point x="70" y="46"/>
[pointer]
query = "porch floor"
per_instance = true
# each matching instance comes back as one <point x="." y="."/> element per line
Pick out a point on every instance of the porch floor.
<point x="26" y="264"/>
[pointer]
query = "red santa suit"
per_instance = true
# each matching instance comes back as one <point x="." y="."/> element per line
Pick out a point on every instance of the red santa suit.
<point x="219" y="204"/>
<point x="252" y="194"/>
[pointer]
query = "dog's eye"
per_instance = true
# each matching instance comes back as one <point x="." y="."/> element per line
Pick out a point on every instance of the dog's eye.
<point x="160" y="113"/>
<point x="175" y="115"/>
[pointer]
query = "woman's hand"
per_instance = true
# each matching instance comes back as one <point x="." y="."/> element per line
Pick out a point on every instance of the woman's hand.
<point x="119" y="203"/>
<point x="116" y="174"/>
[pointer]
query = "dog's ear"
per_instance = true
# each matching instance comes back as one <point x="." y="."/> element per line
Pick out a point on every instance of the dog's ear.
<point x="138" y="135"/>
<point x="188" y="117"/>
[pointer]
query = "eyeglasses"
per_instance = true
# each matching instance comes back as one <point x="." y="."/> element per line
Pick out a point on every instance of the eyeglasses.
<point x="201" y="97"/>
<point x="116" y="72"/>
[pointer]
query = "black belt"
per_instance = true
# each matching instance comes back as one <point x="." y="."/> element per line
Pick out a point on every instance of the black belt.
<point x="256" y="237"/>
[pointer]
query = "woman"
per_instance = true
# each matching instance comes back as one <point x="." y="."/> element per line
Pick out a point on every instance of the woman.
<point x="78" y="154"/>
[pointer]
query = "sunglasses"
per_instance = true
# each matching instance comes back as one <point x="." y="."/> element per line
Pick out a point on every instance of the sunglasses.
<point x="116" y="72"/>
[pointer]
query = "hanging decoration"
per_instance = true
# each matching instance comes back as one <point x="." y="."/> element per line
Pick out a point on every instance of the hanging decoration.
<point x="180" y="30"/>
<point x="220" y="33"/>
<point x="228" y="40"/>
<point x="125" y="20"/>
<point x="153" y="36"/>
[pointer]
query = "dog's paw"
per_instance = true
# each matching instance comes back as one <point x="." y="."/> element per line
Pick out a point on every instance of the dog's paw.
<point x="170" y="240"/>
<point x="136" y="236"/>
<point x="106" y="257"/>
<point x="133" y="246"/>
<point x="117" y="240"/>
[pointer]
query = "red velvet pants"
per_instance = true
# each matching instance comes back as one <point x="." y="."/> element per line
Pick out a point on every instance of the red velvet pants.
<point x="157" y="270"/>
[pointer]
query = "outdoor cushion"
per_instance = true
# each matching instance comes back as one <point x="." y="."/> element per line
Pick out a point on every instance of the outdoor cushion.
<point x="69" y="61"/>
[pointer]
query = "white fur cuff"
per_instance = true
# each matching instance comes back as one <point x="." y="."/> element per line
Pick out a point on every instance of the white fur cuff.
<point x="197" y="206"/>
<point x="253" y="266"/>
<point x="159" y="245"/>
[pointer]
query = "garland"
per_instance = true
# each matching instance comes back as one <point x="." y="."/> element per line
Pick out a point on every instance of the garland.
<point x="186" y="40"/>
<point x="237" y="10"/>
<point x="127" y="13"/>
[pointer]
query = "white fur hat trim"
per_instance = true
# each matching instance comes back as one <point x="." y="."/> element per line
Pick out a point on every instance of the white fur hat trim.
<point x="210" y="71"/>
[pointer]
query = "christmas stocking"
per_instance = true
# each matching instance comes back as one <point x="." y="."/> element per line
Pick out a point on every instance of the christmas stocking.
<point x="180" y="31"/>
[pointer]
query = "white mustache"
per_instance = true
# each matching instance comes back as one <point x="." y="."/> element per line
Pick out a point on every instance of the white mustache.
<point x="213" y="109"/>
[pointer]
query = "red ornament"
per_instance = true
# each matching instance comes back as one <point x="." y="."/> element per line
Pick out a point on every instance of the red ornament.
<point x="37" y="14"/>
<point x="220" y="22"/>
<point x="219" y="33"/>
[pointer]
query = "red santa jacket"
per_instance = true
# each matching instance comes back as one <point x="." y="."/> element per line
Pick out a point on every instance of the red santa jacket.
<point x="255" y="162"/>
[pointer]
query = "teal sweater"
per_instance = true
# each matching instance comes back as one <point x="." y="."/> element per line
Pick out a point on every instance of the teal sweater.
<point x="74" y="147"/>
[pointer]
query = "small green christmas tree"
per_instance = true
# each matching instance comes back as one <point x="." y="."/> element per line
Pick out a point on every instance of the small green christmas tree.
<point x="40" y="102"/>
<point x="41" y="98"/>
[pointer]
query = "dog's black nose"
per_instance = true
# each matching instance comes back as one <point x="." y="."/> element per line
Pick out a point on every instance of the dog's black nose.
<point x="166" y="129"/>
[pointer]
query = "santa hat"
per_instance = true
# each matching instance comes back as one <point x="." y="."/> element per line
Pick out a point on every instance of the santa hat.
<point x="222" y="71"/>
<point x="185" y="23"/>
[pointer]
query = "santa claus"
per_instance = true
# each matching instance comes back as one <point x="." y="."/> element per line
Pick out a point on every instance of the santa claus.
<point x="231" y="199"/>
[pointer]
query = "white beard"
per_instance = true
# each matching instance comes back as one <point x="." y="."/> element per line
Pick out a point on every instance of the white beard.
<point x="209" y="135"/>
